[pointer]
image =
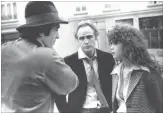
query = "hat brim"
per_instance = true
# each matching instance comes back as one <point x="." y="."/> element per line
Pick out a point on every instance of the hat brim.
<point x="60" y="21"/>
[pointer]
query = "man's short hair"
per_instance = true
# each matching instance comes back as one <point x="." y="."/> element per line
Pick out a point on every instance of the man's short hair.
<point x="87" y="23"/>
<point x="33" y="33"/>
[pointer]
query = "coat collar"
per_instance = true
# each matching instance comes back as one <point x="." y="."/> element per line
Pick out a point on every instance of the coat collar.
<point x="116" y="70"/>
<point x="82" y="55"/>
<point x="134" y="79"/>
<point x="100" y="61"/>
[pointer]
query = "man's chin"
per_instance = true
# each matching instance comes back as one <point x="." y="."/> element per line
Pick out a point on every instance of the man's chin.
<point x="87" y="49"/>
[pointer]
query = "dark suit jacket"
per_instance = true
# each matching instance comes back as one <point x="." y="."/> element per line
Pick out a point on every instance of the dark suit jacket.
<point x="77" y="98"/>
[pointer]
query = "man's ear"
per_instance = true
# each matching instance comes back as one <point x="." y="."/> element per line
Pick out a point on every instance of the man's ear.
<point x="76" y="38"/>
<point x="41" y="35"/>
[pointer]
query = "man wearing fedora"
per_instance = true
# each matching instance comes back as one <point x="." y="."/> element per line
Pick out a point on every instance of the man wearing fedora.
<point x="32" y="72"/>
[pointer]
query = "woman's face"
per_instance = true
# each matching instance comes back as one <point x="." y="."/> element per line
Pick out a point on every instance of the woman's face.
<point x="117" y="50"/>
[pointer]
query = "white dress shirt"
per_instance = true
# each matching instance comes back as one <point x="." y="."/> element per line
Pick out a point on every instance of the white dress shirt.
<point x="91" y="97"/>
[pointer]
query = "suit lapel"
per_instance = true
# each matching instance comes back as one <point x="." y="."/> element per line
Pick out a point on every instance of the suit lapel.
<point x="80" y="68"/>
<point x="100" y="63"/>
<point x="134" y="79"/>
<point x="104" y="78"/>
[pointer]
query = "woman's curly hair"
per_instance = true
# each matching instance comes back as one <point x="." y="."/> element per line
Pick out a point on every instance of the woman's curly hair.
<point x="134" y="46"/>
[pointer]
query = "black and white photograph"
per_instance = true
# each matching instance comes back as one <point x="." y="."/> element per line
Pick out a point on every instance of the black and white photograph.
<point x="81" y="57"/>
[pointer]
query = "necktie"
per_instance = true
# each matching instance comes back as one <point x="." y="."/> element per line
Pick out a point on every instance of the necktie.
<point x="96" y="84"/>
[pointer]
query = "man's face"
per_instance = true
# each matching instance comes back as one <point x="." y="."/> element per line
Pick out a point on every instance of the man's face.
<point x="86" y="39"/>
<point x="50" y="40"/>
<point x="54" y="34"/>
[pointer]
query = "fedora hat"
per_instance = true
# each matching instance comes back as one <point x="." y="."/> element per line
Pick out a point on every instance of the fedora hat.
<point x="39" y="13"/>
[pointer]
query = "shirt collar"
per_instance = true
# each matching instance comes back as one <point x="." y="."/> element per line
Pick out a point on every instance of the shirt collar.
<point x="117" y="68"/>
<point x="82" y="55"/>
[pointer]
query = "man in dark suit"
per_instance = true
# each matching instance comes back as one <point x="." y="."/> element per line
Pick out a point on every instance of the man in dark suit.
<point x="94" y="92"/>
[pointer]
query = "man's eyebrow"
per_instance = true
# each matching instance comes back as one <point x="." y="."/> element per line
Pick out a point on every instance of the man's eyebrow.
<point x="81" y="36"/>
<point x="85" y="35"/>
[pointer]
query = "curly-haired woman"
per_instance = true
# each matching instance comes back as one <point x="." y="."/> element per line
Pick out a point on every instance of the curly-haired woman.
<point x="137" y="84"/>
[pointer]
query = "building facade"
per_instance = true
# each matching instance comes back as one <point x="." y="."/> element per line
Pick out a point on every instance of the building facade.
<point x="148" y="19"/>
<point x="146" y="16"/>
<point x="9" y="21"/>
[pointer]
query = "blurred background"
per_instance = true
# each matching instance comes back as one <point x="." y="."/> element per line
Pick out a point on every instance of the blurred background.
<point x="146" y="16"/>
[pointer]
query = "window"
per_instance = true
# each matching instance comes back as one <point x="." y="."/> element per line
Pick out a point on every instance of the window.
<point x="155" y="3"/>
<point x="128" y="21"/>
<point x="151" y="22"/>
<point x="77" y="9"/>
<point x="152" y="28"/>
<point x="8" y="11"/>
<point x="15" y="10"/>
<point x="83" y="8"/>
<point x="107" y="6"/>
<point x="3" y="17"/>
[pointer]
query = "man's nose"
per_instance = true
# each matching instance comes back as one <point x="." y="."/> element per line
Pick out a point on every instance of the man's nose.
<point x="86" y="40"/>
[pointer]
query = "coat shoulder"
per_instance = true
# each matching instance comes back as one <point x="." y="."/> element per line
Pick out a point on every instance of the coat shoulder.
<point x="106" y="57"/>
<point x="71" y="57"/>
<point x="104" y="54"/>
